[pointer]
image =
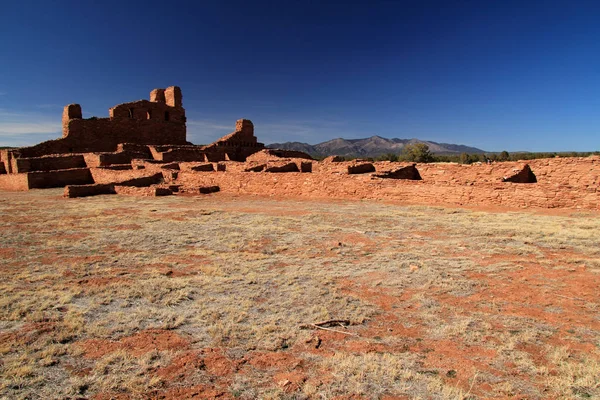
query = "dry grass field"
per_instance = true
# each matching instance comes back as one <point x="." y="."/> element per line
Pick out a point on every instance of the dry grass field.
<point x="214" y="297"/>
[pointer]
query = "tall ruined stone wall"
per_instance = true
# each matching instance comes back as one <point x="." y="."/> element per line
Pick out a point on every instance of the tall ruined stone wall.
<point x="159" y="121"/>
<point x="237" y="145"/>
<point x="4" y="161"/>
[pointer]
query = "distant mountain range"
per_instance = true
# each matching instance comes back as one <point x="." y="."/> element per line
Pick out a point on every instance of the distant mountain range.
<point x="370" y="147"/>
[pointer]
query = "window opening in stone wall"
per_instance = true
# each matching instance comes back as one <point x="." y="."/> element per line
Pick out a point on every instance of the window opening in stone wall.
<point x="148" y="114"/>
<point x="131" y="113"/>
<point x="166" y="115"/>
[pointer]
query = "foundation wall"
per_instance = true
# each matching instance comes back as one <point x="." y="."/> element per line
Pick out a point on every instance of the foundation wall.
<point x="16" y="182"/>
<point x="50" y="179"/>
<point x="88" y="190"/>
<point x="107" y="176"/>
<point x="49" y="163"/>
<point x="576" y="172"/>
<point x="311" y="185"/>
<point x="106" y="159"/>
<point x="182" y="155"/>
<point x="558" y="184"/>
<point x="270" y="154"/>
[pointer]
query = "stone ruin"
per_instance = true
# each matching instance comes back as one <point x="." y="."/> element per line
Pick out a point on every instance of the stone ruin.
<point x="153" y="130"/>
<point x="141" y="149"/>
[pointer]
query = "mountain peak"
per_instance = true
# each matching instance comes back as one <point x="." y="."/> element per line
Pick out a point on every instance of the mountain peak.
<point x="373" y="146"/>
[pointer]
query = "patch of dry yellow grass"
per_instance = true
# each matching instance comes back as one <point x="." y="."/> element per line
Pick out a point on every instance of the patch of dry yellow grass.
<point x="243" y="274"/>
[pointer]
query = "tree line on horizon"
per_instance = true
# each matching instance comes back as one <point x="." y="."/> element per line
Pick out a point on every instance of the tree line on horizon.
<point x="419" y="152"/>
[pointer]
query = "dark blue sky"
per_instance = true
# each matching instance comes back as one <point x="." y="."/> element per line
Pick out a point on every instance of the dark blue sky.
<point x="498" y="75"/>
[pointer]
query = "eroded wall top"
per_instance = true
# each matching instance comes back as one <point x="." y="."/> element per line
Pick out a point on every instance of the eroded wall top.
<point x="160" y="120"/>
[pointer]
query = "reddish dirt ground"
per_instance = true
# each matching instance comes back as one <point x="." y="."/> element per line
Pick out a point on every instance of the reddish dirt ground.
<point x="551" y="291"/>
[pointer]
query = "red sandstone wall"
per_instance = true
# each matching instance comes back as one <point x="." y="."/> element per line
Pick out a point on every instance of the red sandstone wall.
<point x="442" y="184"/>
<point x="56" y="146"/>
<point x="106" y="176"/>
<point x="412" y="192"/>
<point x="14" y="182"/>
<point x="62" y="178"/>
<point x="236" y="146"/>
<point x="576" y="173"/>
<point x="451" y="173"/>
<point x="105" y="159"/>
<point x="88" y="190"/>
<point x="49" y="163"/>
<point x="185" y="153"/>
<point x="161" y="121"/>
<point x="272" y="154"/>
<point x="45" y="179"/>
<point x="5" y="157"/>
<point x="144" y="110"/>
<point x="103" y="135"/>
<point x="562" y="182"/>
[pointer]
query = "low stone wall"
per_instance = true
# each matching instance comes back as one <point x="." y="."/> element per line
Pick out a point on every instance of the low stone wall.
<point x="106" y="159"/>
<point x="297" y="184"/>
<point x="143" y="181"/>
<point x="49" y="163"/>
<point x="107" y="176"/>
<point x="16" y="182"/>
<point x="575" y="172"/>
<point x="88" y="190"/>
<point x="184" y="155"/>
<point x="578" y="173"/>
<point x="61" y="178"/>
<point x="561" y="183"/>
<point x="361" y="168"/>
<point x="409" y="172"/>
<point x="270" y="154"/>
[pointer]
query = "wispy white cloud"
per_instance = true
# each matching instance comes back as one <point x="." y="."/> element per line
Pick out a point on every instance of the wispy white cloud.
<point x="309" y="131"/>
<point x="8" y="114"/>
<point x="208" y="124"/>
<point x="3" y="93"/>
<point x="207" y="131"/>
<point x="50" y="106"/>
<point x="24" y="128"/>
